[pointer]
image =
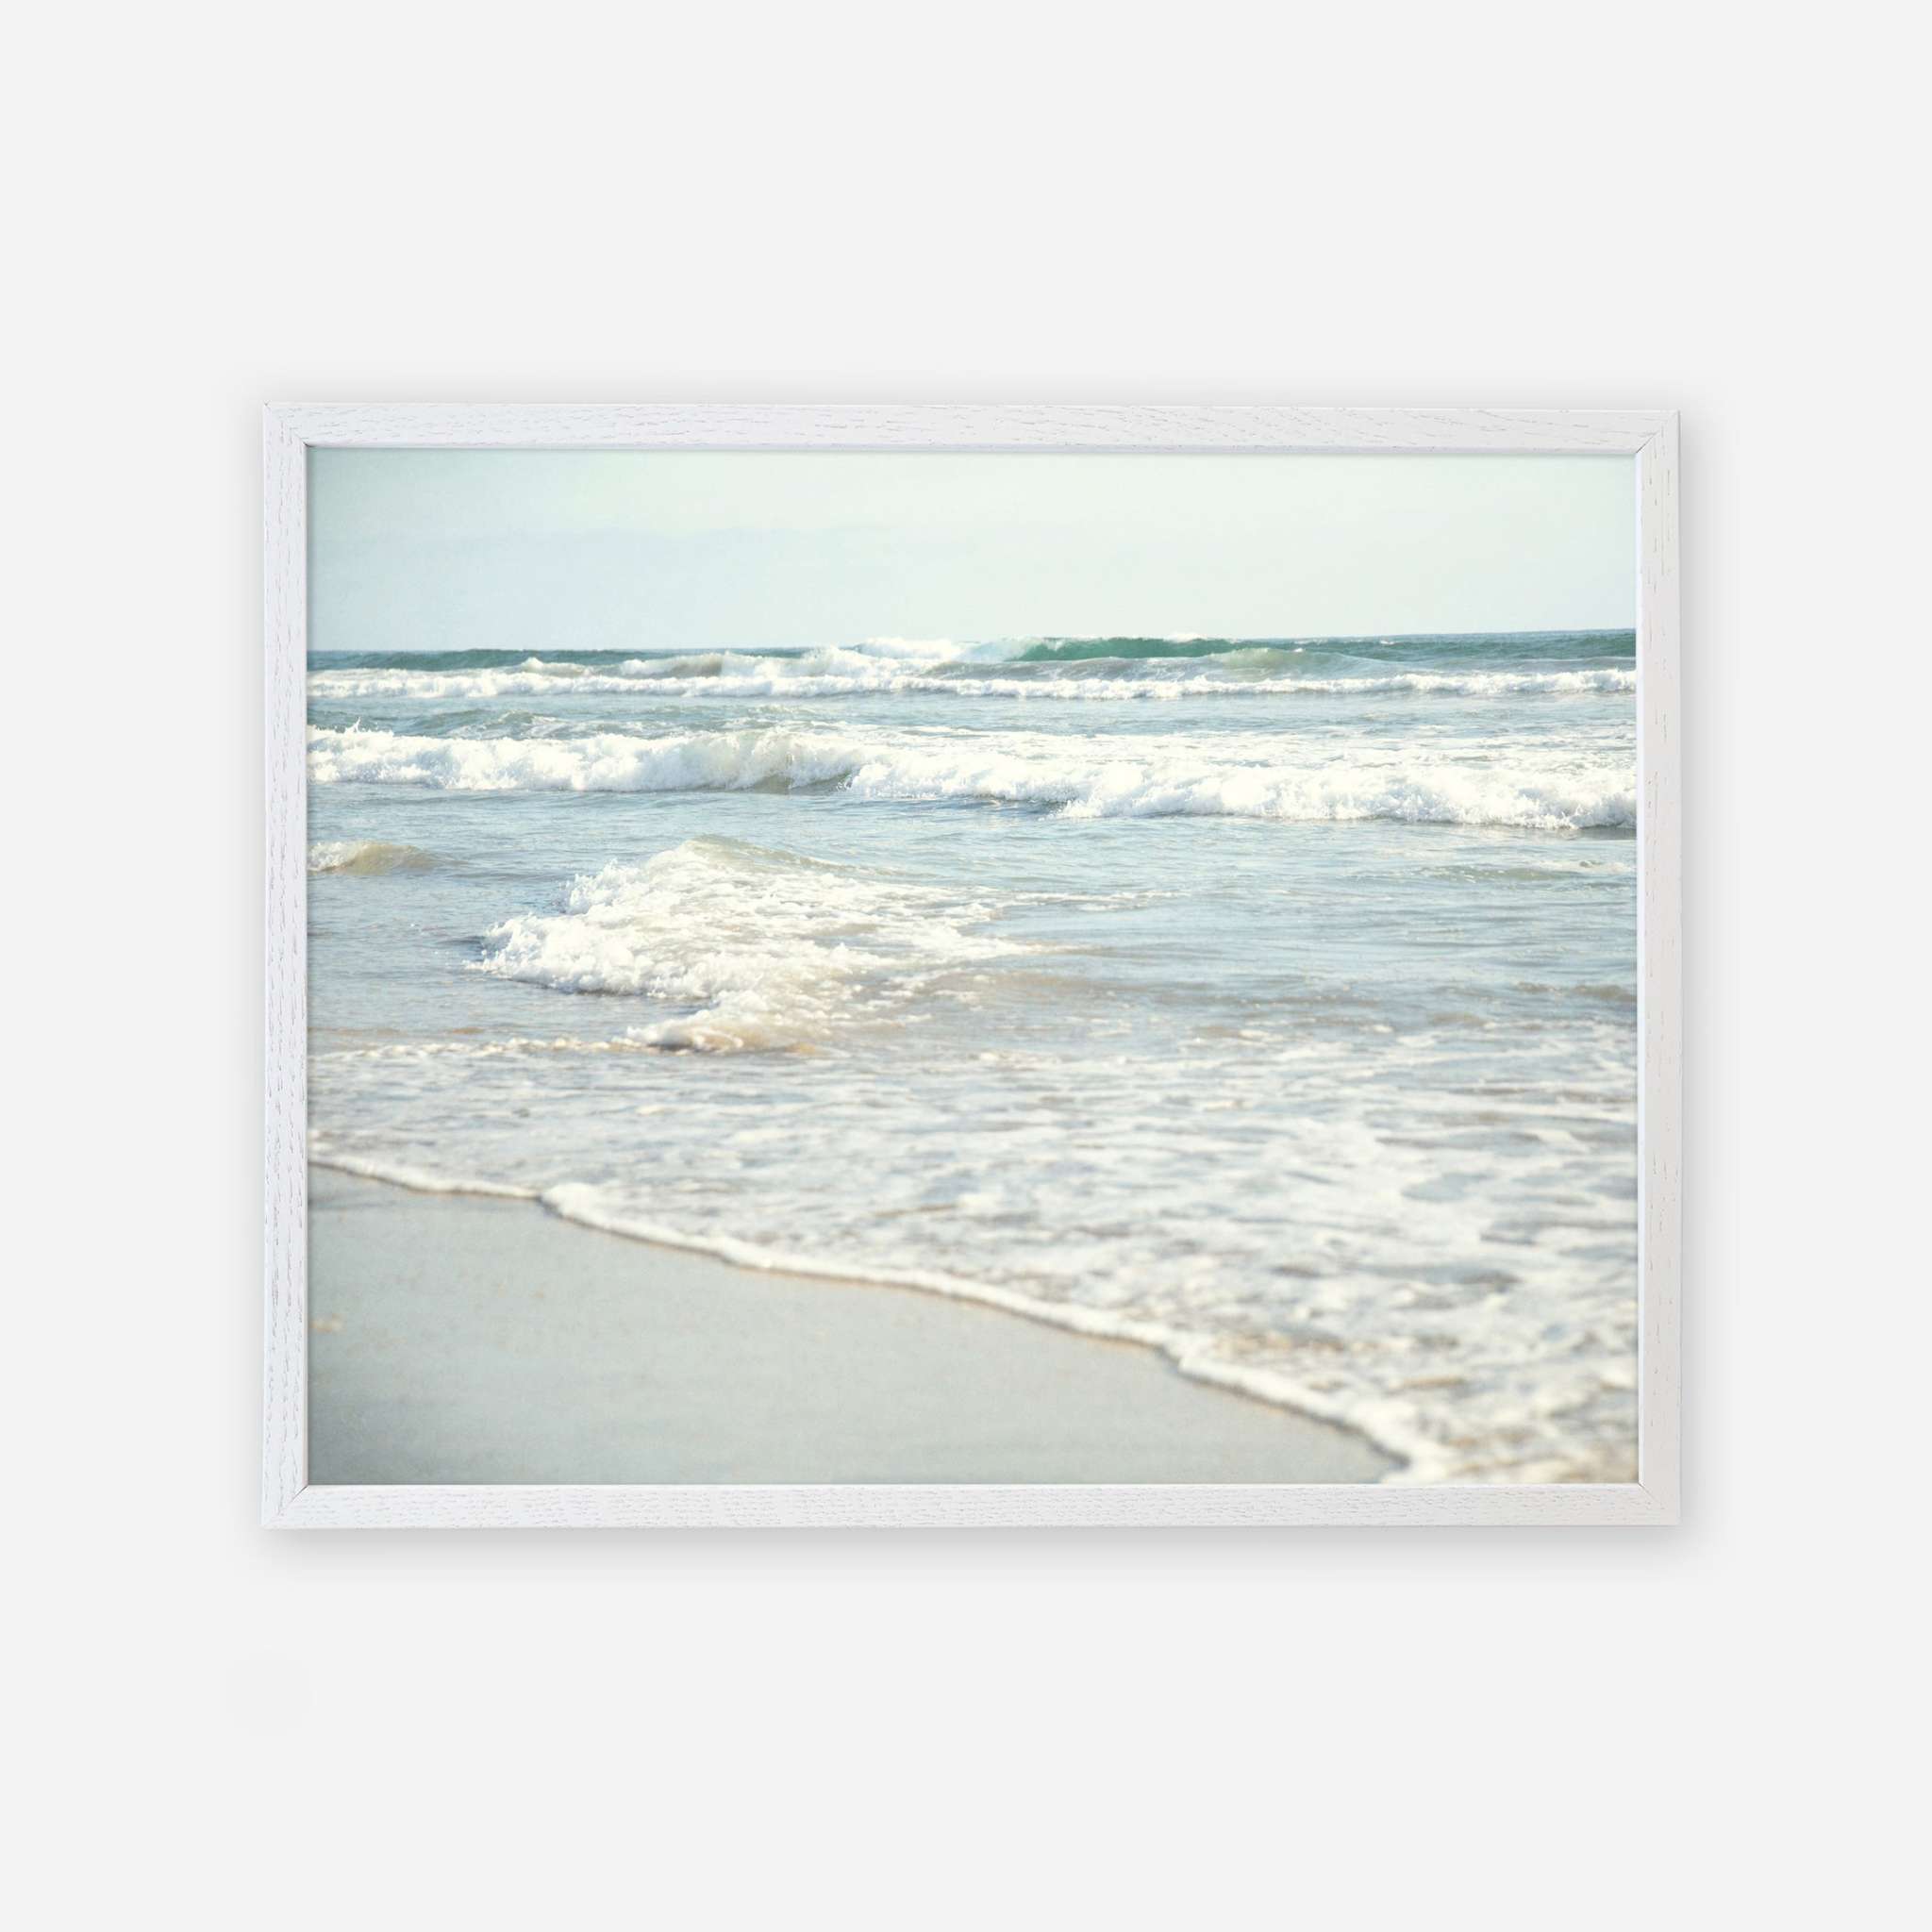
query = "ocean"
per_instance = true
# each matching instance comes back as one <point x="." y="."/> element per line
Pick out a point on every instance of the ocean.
<point x="1269" y="1001"/>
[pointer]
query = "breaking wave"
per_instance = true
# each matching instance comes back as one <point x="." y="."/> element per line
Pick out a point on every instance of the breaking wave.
<point x="841" y="672"/>
<point x="762" y="949"/>
<point x="1409" y="788"/>
<point x="366" y="856"/>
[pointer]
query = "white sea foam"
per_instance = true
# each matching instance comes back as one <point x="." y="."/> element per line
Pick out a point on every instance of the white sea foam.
<point x="763" y="949"/>
<point x="1179" y="782"/>
<point x="400" y="1174"/>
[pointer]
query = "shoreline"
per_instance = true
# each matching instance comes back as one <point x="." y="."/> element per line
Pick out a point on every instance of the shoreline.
<point x="469" y="1336"/>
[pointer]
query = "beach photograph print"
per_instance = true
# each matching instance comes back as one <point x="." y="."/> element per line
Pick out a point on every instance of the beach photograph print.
<point x="953" y="969"/>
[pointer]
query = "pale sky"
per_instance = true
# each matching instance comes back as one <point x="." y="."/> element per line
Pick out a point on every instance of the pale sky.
<point x="533" y="550"/>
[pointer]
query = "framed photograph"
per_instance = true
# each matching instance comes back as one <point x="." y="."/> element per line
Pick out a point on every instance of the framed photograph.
<point x="972" y="965"/>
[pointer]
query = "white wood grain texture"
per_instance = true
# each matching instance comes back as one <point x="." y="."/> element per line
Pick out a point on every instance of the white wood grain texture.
<point x="970" y="1506"/>
<point x="1660" y="974"/>
<point x="285" y="1117"/>
<point x="1651" y="435"/>
<point x="1155" y="429"/>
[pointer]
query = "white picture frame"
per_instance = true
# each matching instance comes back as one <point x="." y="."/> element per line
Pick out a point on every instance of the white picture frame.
<point x="289" y="1500"/>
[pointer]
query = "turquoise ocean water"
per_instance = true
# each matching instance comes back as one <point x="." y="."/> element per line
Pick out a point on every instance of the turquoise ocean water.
<point x="1271" y="1001"/>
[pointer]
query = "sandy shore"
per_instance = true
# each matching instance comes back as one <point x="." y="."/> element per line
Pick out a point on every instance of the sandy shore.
<point x="463" y="1339"/>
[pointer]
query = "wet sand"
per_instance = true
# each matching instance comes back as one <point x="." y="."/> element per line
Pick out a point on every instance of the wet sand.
<point x="456" y="1338"/>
